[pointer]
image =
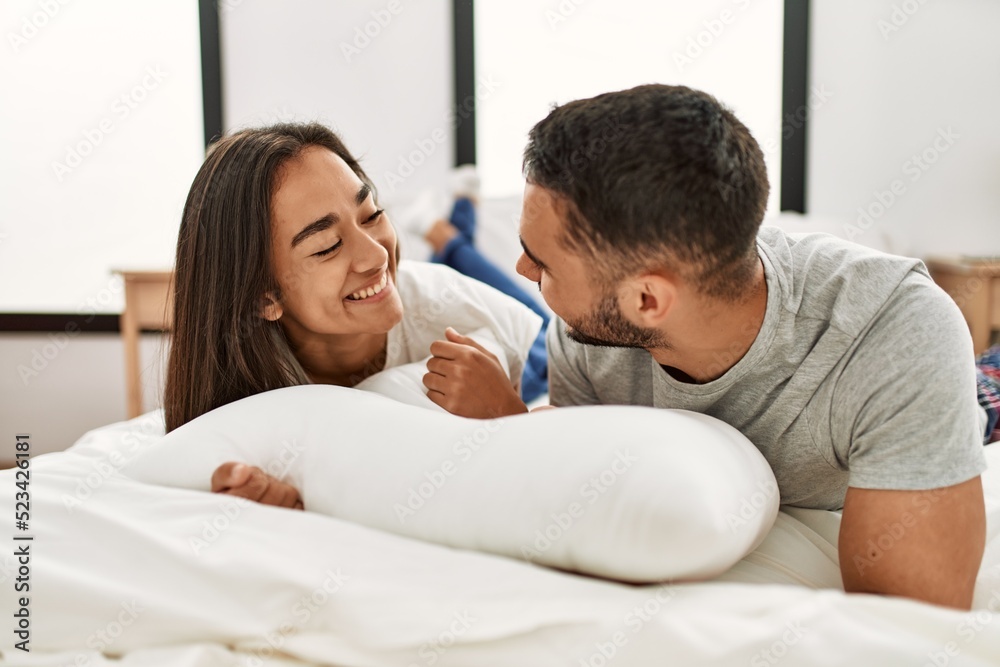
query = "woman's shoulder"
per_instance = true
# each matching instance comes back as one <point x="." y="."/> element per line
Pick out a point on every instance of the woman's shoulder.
<point x="430" y="293"/>
<point x="419" y="281"/>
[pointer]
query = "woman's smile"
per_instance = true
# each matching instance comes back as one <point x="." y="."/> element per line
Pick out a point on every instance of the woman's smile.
<point x="373" y="293"/>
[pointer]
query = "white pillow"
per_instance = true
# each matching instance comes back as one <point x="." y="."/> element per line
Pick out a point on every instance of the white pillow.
<point x="628" y="493"/>
<point x="404" y="384"/>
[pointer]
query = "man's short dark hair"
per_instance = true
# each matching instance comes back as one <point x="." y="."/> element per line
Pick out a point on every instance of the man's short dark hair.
<point x="655" y="176"/>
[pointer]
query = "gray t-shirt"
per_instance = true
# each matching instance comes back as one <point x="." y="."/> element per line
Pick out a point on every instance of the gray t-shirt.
<point x="862" y="374"/>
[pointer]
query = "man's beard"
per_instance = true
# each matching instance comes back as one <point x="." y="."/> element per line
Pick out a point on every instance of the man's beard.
<point x="607" y="327"/>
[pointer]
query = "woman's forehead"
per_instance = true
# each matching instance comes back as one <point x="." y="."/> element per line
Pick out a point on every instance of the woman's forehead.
<point x="315" y="183"/>
<point x="316" y="168"/>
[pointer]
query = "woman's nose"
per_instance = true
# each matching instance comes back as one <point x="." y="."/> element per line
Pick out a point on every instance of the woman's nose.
<point x="369" y="253"/>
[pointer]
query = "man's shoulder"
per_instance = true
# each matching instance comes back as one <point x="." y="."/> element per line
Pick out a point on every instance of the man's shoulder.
<point x="921" y="319"/>
<point x="825" y="277"/>
<point x="817" y="257"/>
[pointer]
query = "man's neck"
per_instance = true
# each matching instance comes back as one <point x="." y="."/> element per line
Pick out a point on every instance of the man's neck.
<point x="712" y="336"/>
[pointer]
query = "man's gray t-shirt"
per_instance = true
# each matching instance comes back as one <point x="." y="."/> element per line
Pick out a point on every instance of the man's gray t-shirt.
<point x="862" y="375"/>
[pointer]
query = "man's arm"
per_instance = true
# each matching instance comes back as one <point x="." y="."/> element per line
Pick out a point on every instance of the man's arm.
<point x="925" y="545"/>
<point x="906" y="422"/>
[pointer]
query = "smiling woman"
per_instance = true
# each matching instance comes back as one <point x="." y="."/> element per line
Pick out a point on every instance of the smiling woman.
<point x="288" y="273"/>
<point x="330" y="245"/>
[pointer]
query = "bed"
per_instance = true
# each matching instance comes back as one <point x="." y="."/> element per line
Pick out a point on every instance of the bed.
<point x="131" y="574"/>
<point x="128" y="573"/>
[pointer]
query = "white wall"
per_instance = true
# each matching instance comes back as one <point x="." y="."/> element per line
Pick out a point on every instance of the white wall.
<point x="377" y="71"/>
<point x="571" y="50"/>
<point x="57" y="387"/>
<point x="101" y="133"/>
<point x="894" y="93"/>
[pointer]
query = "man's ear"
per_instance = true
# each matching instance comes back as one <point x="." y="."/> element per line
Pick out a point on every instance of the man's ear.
<point x="648" y="298"/>
<point x="270" y="307"/>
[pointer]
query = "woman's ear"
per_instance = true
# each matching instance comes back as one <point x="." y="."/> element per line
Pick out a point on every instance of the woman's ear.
<point x="648" y="298"/>
<point x="270" y="307"/>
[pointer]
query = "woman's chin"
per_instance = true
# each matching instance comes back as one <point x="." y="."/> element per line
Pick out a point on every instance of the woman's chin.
<point x="383" y="316"/>
<point x="395" y="305"/>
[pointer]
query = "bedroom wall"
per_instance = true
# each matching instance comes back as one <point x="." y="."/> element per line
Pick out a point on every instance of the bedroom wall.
<point x="57" y="388"/>
<point x="378" y="71"/>
<point x="908" y="78"/>
<point x="106" y="126"/>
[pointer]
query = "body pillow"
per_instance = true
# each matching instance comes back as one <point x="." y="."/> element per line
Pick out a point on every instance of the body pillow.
<point x="628" y="493"/>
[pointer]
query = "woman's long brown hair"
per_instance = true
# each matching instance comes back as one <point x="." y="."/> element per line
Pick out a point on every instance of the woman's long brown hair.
<point x="222" y="349"/>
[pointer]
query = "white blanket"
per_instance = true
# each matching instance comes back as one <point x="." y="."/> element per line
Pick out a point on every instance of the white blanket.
<point x="162" y="576"/>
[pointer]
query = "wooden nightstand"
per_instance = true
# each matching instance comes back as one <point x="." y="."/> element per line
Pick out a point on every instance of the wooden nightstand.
<point x="148" y="307"/>
<point x="975" y="286"/>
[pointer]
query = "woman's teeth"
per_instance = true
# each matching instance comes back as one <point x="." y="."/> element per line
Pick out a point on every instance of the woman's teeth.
<point x="371" y="291"/>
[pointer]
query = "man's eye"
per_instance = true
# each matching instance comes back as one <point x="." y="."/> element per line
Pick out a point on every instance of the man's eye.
<point x="321" y="253"/>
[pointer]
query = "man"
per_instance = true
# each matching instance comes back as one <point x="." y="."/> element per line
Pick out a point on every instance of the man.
<point x="849" y="369"/>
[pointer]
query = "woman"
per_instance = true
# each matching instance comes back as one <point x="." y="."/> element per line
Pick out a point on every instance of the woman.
<point x="287" y="273"/>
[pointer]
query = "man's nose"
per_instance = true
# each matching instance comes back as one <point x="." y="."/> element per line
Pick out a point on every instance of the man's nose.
<point x="525" y="268"/>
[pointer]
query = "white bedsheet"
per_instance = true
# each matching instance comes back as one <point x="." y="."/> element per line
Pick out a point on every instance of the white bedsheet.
<point x="145" y="566"/>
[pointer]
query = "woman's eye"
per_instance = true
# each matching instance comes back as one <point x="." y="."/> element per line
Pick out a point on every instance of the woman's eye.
<point x="374" y="217"/>
<point x="321" y="253"/>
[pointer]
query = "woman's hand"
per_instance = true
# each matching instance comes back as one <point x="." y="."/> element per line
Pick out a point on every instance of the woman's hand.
<point x="467" y="380"/>
<point x="252" y="483"/>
